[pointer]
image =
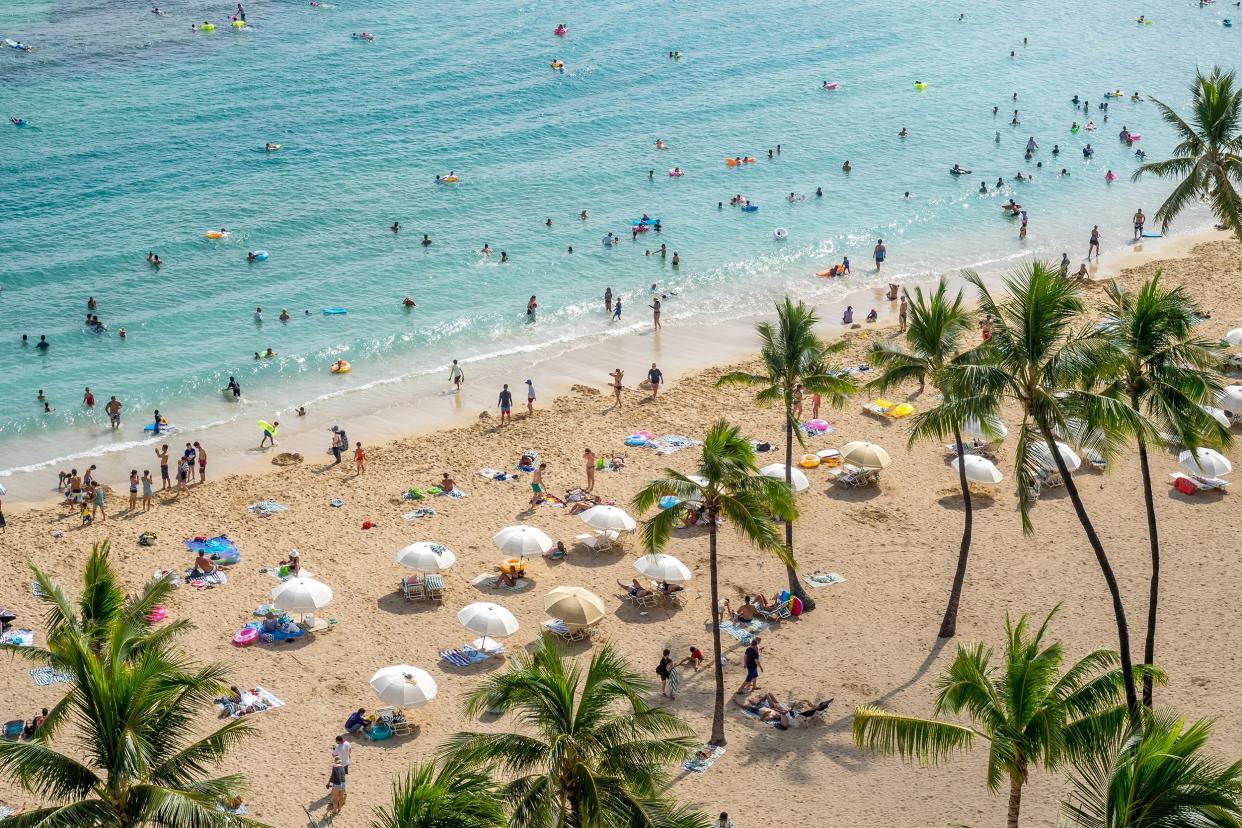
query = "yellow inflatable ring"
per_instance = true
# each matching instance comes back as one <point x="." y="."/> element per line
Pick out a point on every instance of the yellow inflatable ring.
<point x="214" y="234"/>
<point x="809" y="461"/>
<point x="341" y="367"/>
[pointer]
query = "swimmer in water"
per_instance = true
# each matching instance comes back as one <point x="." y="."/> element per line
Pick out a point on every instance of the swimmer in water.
<point x="408" y="302"/>
<point x="904" y="132"/>
<point x="270" y="147"/>
<point x="846" y="166"/>
<point x="548" y="223"/>
<point x="504" y="257"/>
<point x="156" y="10"/>
<point x="907" y="195"/>
<point x="426" y="242"/>
<point x="487" y="250"/>
<point x="660" y="144"/>
<point x="983" y="188"/>
<point x="284" y="315"/>
<point x="583" y="215"/>
<point x="396" y="227"/>
<point x="819" y="192"/>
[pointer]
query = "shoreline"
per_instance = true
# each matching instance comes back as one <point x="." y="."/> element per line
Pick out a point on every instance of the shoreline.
<point x="415" y="406"/>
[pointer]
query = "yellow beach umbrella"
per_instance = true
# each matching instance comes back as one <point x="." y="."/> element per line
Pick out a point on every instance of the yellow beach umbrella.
<point x="576" y="606"/>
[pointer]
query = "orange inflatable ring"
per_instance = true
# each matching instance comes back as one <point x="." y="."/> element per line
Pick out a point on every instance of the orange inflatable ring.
<point x="809" y="461"/>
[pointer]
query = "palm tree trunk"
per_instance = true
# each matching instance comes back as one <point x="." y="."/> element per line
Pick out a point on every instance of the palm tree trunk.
<point x="1119" y="612"/>
<point x="948" y="625"/>
<point x="718" y="734"/>
<point x="1153" y="594"/>
<point x="1015" y="800"/>
<point x="795" y="583"/>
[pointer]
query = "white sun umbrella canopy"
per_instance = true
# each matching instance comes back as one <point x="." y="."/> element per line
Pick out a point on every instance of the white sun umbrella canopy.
<point x="1234" y="337"/>
<point x="1205" y="461"/>
<point x="302" y="595"/>
<point x="1044" y="457"/>
<point x="522" y="541"/>
<point x="404" y="686"/>
<point x="1216" y="414"/>
<point x="1230" y="398"/>
<point x="488" y="620"/>
<point x="426" y="556"/>
<point x="973" y="428"/>
<point x="865" y="455"/>
<point x="797" y="479"/>
<point x="979" y="469"/>
<point x="608" y="519"/>
<point x="661" y="567"/>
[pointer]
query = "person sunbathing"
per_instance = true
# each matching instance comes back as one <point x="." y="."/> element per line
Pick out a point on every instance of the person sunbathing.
<point x="447" y="484"/>
<point x="770" y="709"/>
<point x="509" y="576"/>
<point x="669" y="589"/>
<point x="765" y="604"/>
<point x="203" y="566"/>
<point x="634" y="589"/>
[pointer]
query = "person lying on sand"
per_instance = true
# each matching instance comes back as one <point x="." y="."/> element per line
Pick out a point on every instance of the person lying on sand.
<point x="509" y="576"/>
<point x="770" y="709"/>
<point x="634" y="589"/>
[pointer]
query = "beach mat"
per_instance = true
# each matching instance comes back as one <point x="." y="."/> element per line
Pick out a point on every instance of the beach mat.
<point x="745" y="633"/>
<point x="486" y="581"/>
<point x="18" y="638"/>
<point x="700" y="764"/>
<point x="46" y="676"/>
<point x="823" y="579"/>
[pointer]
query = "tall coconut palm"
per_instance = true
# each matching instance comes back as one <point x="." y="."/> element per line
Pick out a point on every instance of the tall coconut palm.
<point x="1164" y="370"/>
<point x="794" y="358"/>
<point x="1208" y="160"/>
<point x="1041" y="358"/>
<point x="1028" y="711"/>
<point x="135" y="757"/>
<point x="450" y="795"/>
<point x="933" y="340"/>
<point x="730" y="488"/>
<point x="1159" y="776"/>
<point x="589" y="752"/>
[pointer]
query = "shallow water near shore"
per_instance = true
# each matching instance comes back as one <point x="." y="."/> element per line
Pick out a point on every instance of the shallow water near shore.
<point x="145" y="134"/>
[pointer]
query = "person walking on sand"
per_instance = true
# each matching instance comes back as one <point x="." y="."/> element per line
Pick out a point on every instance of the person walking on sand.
<point x="530" y="399"/>
<point x="97" y="501"/>
<point x="753" y="668"/>
<point x="201" y="454"/>
<point x="456" y="377"/>
<point x="269" y="433"/>
<point x="617" y="376"/>
<point x="536" y="485"/>
<point x="341" y="750"/>
<point x="902" y="313"/>
<point x="664" y="670"/>
<point x="655" y="312"/>
<point x="146" y="490"/>
<point x="1139" y="221"/>
<point x="360" y="460"/>
<point x="505" y="402"/>
<point x="1094" y="244"/>
<point x="114" y="412"/>
<point x="588" y="457"/>
<point x="162" y="454"/>
<point x="336" y="784"/>
<point x="879" y="254"/>
<point x="338" y="445"/>
<point x="654" y="377"/>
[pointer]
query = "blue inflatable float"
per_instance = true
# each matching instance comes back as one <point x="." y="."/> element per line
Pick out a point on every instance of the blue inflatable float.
<point x="334" y="311"/>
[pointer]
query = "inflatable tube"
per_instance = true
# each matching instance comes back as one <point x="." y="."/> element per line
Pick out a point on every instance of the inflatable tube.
<point x="214" y="234"/>
<point x="20" y="122"/>
<point x="809" y="461"/>
<point x="207" y="27"/>
<point x="341" y="366"/>
<point x="635" y="440"/>
<point x="750" y="208"/>
<point x="334" y="311"/>
<point x="246" y="636"/>
<point x="958" y="171"/>
<point x="449" y="179"/>
<point x="260" y="255"/>
<point x="919" y="85"/>
<point x="816" y="426"/>
<point x="266" y="427"/>
<point x="1110" y="176"/>
<point x="830" y="86"/>
<point x="1074" y="129"/>
<point x="780" y="234"/>
<point x="675" y="173"/>
<point x="1228" y="24"/>
<point x="1144" y="21"/>
<point x="1117" y="93"/>
<point x="238" y="24"/>
<point x="736" y="162"/>
<point x="272" y="147"/>
<point x="560" y="31"/>
<point x="1136" y="136"/>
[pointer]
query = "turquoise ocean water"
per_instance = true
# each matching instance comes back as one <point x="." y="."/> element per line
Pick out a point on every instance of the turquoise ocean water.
<point x="145" y="134"/>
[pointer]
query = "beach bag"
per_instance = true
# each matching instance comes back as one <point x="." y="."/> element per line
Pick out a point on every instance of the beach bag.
<point x="146" y="539"/>
<point x="366" y="524"/>
<point x="763" y="447"/>
<point x="1185" y="486"/>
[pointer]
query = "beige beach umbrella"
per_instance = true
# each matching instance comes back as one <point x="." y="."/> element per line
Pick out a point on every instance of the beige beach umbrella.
<point x="1044" y="458"/>
<point x="426" y="556"/>
<point x="403" y="686"/>
<point x="522" y="541"/>
<point x="1205" y="461"/>
<point x="865" y="455"/>
<point x="608" y="519"/>
<point x="576" y="606"/>
<point x="488" y="620"/>
<point x="979" y="469"/>
<point x="302" y="595"/>
<point x="797" y="479"/>
<point x="661" y="567"/>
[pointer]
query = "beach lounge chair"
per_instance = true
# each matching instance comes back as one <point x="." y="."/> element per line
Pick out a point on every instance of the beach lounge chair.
<point x="412" y="588"/>
<point x="13" y="730"/>
<point x="856" y="478"/>
<point x="392" y="719"/>
<point x="599" y="541"/>
<point x="778" y="613"/>
<point x="433" y="587"/>
<point x="1193" y="484"/>
<point x="1095" y="459"/>
<point x="651" y="599"/>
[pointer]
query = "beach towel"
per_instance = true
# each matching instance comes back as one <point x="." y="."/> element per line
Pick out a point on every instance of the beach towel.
<point x="495" y="474"/>
<point x="45" y="676"/>
<point x="264" y="508"/>
<point x="336" y="503"/>
<point x="18" y="638"/>
<point x="674" y="681"/>
<point x="219" y="549"/>
<point x="670" y="443"/>
<point x="36" y="591"/>
<point x="552" y="500"/>
<point x="556" y="626"/>
<point x="274" y="571"/>
<point x="489" y="581"/>
<point x="744" y="633"/>
<point x="823" y="579"/>
<point x="467" y="655"/>
<point x="208" y="581"/>
<point x="255" y="700"/>
<point x="700" y="763"/>
<point x="419" y="513"/>
<point x="6" y="812"/>
<point x="456" y="494"/>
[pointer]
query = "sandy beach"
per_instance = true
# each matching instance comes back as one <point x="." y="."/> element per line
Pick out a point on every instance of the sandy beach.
<point x="872" y="640"/>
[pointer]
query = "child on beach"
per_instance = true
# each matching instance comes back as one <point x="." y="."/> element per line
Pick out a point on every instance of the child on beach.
<point x="162" y="454"/>
<point x="360" y="459"/>
<point x="146" y="490"/>
<point x="536" y="485"/>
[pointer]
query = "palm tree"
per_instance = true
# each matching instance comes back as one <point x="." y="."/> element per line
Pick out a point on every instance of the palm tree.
<point x="1038" y="358"/>
<point x="1162" y="369"/>
<point x="1209" y="158"/>
<point x="729" y="487"/>
<point x="937" y="324"/>
<point x="1156" y="778"/>
<point x="452" y="795"/>
<point x="1028" y="711"/>
<point x="794" y="358"/>
<point x="135" y="759"/>
<point x="594" y="754"/>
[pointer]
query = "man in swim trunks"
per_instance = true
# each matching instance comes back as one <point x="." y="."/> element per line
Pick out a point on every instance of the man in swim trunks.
<point x="536" y="485"/>
<point x="655" y="376"/>
<point x="114" y="412"/>
<point x="202" y="462"/>
<point x="456" y="377"/>
<point x="1139" y="221"/>
<point x="162" y="454"/>
<point x="505" y="403"/>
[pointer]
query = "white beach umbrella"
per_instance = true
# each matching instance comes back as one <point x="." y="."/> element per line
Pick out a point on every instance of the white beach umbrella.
<point x="661" y="567"/>
<point x="865" y="455"/>
<point x="522" y="541"/>
<point x="1046" y="462"/>
<point x="574" y="605"/>
<point x="608" y="519"/>
<point x="1234" y="337"/>
<point x="1205" y="461"/>
<point x="979" y="469"/>
<point x="1230" y="398"/>
<point x="972" y="428"/>
<point x="1216" y="414"/>
<point x="426" y="556"/>
<point x="302" y="595"/>
<point x="488" y="620"/>
<point x="403" y="686"/>
<point x="776" y="471"/>
<point x="698" y="480"/>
